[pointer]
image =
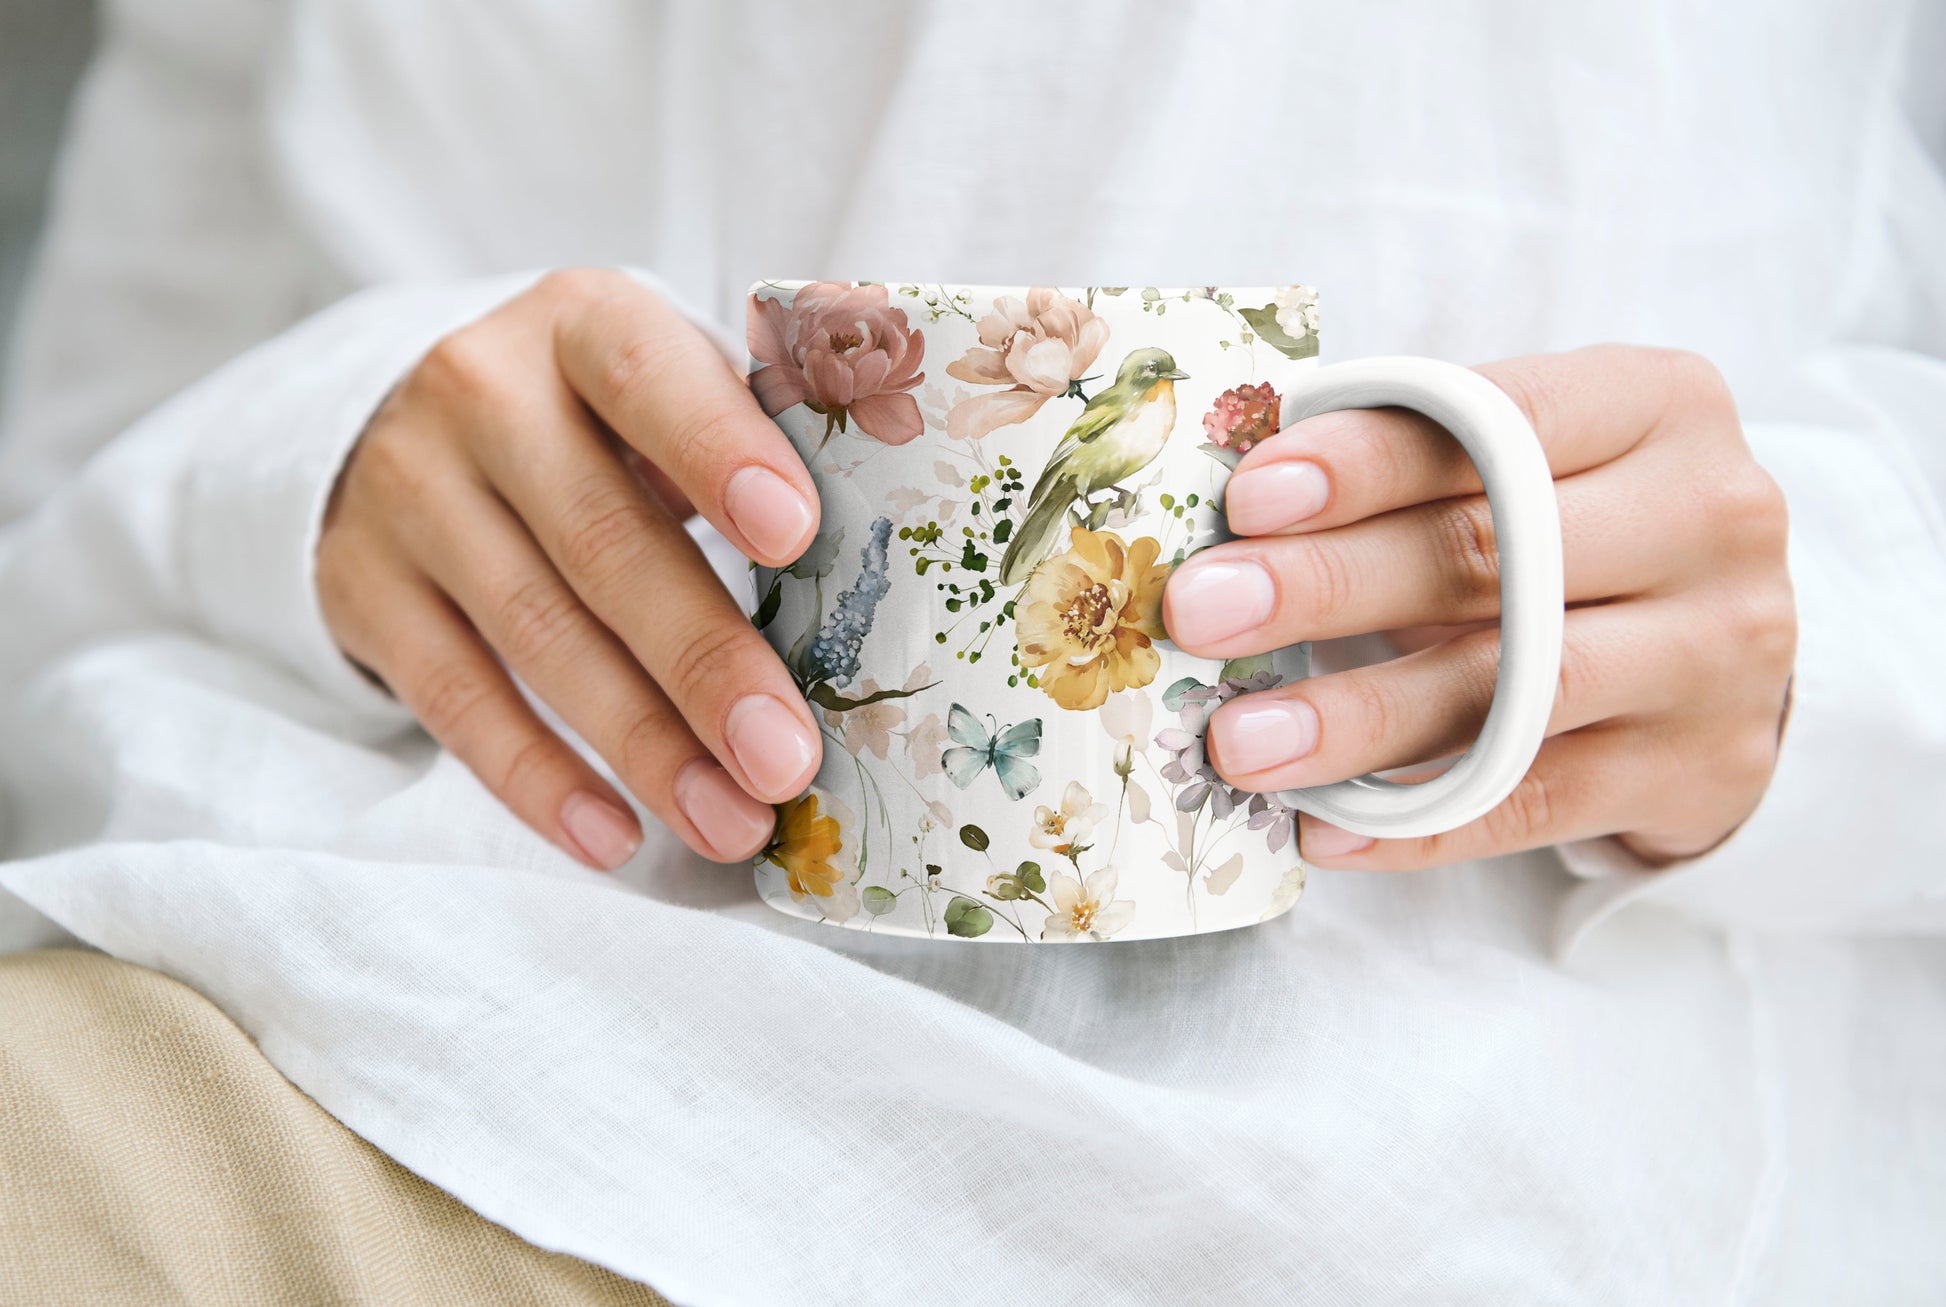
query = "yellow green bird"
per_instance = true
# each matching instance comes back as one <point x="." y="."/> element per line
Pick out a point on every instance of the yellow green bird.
<point x="1118" y="434"/>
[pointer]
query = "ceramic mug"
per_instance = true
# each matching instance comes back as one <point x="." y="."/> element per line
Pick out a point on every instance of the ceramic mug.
<point x="1013" y="748"/>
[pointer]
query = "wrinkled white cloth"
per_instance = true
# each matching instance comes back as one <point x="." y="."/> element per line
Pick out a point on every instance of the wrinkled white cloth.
<point x="1732" y="1090"/>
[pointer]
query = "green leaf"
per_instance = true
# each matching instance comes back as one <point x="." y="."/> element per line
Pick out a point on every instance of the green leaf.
<point x="1265" y="321"/>
<point x="966" y="918"/>
<point x="1227" y="457"/>
<point x="974" y="838"/>
<point x="1242" y="669"/>
<point x="879" y="900"/>
<point x="767" y="610"/>
<point x="826" y="697"/>
<point x="1172" y="697"/>
<point x="1151" y="294"/>
<point x="1029" y="874"/>
<point x="1003" y="531"/>
<point x="817" y="560"/>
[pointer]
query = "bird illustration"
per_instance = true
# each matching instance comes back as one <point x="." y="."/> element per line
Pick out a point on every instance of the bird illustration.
<point x="1118" y="434"/>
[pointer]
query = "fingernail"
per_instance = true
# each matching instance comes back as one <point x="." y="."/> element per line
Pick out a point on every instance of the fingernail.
<point x="1274" y="496"/>
<point x="730" y="821"/>
<point x="772" y="744"/>
<point x="769" y="510"/>
<point x="1323" y="840"/>
<point x="1251" y="737"/>
<point x="604" y="833"/>
<point x="1212" y="601"/>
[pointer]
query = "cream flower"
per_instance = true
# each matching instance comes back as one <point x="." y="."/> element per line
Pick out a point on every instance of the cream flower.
<point x="1297" y="311"/>
<point x="1127" y="718"/>
<point x="869" y="727"/>
<point x="1088" y="619"/>
<point x="924" y="744"/>
<point x="1037" y="347"/>
<point x="1060" y="830"/>
<point x="1086" y="912"/>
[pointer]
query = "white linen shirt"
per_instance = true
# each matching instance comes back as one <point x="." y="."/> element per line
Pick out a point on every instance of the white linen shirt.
<point x="1733" y="1088"/>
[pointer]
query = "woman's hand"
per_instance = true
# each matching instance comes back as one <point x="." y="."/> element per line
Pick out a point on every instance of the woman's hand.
<point x="490" y="509"/>
<point x="1680" y="633"/>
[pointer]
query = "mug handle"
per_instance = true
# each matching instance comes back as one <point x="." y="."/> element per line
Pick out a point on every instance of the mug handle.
<point x="1527" y="528"/>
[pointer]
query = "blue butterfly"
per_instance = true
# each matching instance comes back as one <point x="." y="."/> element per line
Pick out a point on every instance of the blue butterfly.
<point x="1002" y="750"/>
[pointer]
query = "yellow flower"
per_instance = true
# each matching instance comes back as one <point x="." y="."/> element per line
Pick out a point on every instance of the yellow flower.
<point x="804" y="847"/>
<point x="1088" y="618"/>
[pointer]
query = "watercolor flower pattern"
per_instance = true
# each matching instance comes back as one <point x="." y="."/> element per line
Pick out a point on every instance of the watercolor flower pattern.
<point x="1061" y="830"/>
<point x="806" y="846"/>
<point x="844" y="351"/>
<point x="1088" y="619"/>
<point x="905" y="576"/>
<point x="1085" y="910"/>
<point x="1242" y="416"/>
<point x="1038" y="347"/>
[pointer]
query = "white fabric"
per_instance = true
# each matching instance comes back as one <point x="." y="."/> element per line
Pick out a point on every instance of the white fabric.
<point x="1735" y="1088"/>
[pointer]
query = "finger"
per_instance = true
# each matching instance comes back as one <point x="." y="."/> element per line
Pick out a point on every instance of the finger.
<point x="479" y="553"/>
<point x="1598" y="781"/>
<point x="1432" y="564"/>
<point x="1589" y="407"/>
<point x="439" y="668"/>
<point x="645" y="579"/>
<point x="1615" y="660"/>
<point x="665" y="390"/>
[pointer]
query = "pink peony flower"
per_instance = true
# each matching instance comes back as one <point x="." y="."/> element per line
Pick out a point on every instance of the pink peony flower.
<point x="1037" y="347"/>
<point x="844" y="351"/>
<point x="1242" y="416"/>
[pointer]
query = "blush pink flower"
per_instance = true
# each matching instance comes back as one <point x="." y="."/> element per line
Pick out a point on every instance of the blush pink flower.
<point x="1242" y="416"/>
<point x="843" y="351"/>
<point x="1037" y="348"/>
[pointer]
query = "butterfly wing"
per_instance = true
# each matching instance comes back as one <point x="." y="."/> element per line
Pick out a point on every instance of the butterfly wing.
<point x="964" y="764"/>
<point x="1016" y="777"/>
<point x="1022" y="741"/>
<point x="965" y="729"/>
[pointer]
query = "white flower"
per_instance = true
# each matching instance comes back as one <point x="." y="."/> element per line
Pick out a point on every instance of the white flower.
<point x="1076" y="820"/>
<point x="1287" y="893"/>
<point x="1092" y="912"/>
<point x="1126" y="717"/>
<point x="1297" y="311"/>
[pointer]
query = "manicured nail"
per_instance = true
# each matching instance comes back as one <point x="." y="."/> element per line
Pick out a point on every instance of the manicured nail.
<point x="1251" y="737"/>
<point x="1323" y="840"/>
<point x="730" y="821"/>
<point x="772" y="744"/>
<point x="605" y="834"/>
<point x="769" y="511"/>
<point x="1212" y="601"/>
<point x="1275" y="496"/>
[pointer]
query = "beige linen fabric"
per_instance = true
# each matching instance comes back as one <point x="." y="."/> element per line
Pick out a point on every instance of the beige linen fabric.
<point x="150" y="1154"/>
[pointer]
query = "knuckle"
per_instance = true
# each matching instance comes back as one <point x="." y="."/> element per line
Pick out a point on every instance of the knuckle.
<point x="1331" y="586"/>
<point x="536" y="617"/>
<point x="530" y="766"/>
<point x="1381" y="718"/>
<point x="1751" y="506"/>
<point x="461" y="366"/>
<point x="1530" y="385"/>
<point x="448" y="698"/>
<point x="709" y="439"/>
<point x="645" y="758"/>
<point x="1695" y="380"/>
<point x="574" y="285"/>
<point x="637" y="367"/>
<point x="1470" y="553"/>
<point x="708" y="658"/>
<point x="1525" y="816"/>
<point x="605" y="530"/>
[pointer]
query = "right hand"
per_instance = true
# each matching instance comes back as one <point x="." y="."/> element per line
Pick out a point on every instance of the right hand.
<point x="493" y="506"/>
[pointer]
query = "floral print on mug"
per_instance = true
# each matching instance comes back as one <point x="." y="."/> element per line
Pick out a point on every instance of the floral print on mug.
<point x="1013" y="747"/>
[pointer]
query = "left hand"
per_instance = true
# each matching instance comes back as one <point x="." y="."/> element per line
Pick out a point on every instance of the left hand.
<point x="1681" y="631"/>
